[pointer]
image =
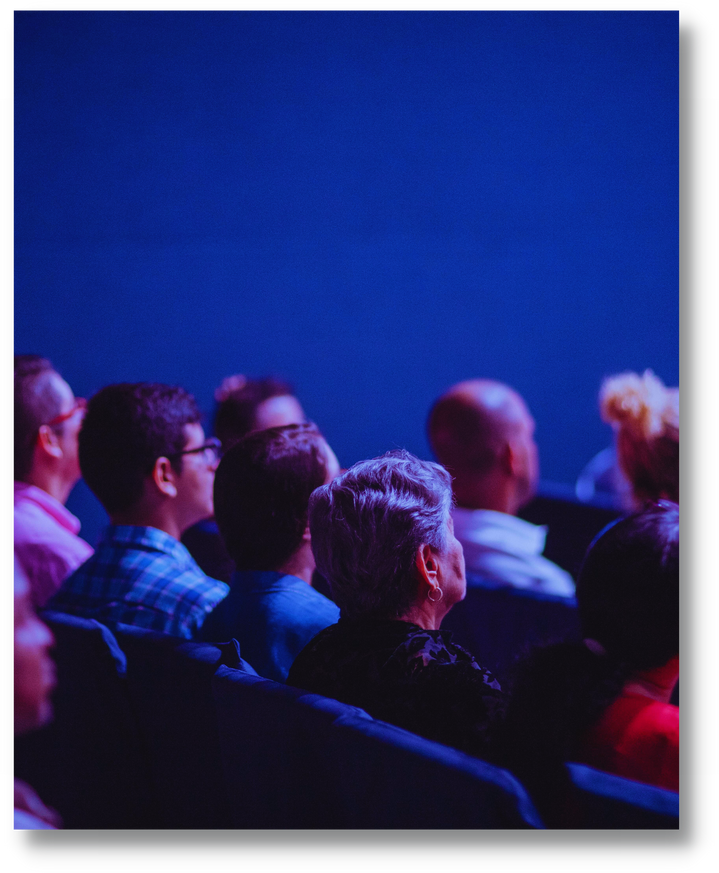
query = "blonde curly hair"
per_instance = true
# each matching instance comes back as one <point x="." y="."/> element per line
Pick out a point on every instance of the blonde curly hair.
<point x="645" y="416"/>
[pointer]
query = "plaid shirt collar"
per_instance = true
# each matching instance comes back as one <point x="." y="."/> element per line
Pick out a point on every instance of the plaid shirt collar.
<point x="150" y="538"/>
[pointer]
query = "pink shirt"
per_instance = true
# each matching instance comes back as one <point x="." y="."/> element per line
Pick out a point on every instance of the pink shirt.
<point x="46" y="541"/>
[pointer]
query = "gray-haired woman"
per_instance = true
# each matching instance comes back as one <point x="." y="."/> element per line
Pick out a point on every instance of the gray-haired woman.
<point x="382" y="536"/>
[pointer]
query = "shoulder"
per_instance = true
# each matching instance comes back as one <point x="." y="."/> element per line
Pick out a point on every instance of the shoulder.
<point x="434" y="652"/>
<point x="641" y="739"/>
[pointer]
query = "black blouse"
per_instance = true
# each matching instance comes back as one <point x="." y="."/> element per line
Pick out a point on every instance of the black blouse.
<point x="398" y="672"/>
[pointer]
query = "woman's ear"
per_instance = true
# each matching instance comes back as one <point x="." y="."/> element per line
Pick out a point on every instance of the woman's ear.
<point x="426" y="564"/>
<point x="306" y="538"/>
<point x="164" y="477"/>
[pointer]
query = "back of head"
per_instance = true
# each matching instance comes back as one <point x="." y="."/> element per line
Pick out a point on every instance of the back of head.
<point x="628" y="597"/>
<point x="262" y="490"/>
<point x="238" y="401"/>
<point x="483" y="433"/>
<point x="367" y="526"/>
<point x="126" y="428"/>
<point x="645" y="416"/>
<point x="464" y="427"/>
<point x="36" y="403"/>
<point x="628" y="587"/>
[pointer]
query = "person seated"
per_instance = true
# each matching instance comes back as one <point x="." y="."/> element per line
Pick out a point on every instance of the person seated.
<point x="605" y="701"/>
<point x="262" y="490"/>
<point x="243" y="405"/>
<point x="645" y="416"/>
<point x="643" y="464"/>
<point x="34" y="682"/>
<point x="382" y="536"/>
<point x="47" y="421"/>
<point x="483" y="433"/>
<point x="144" y="455"/>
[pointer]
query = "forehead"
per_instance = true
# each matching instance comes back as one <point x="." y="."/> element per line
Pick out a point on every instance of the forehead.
<point x="279" y="411"/>
<point x="61" y="389"/>
<point x="194" y="435"/>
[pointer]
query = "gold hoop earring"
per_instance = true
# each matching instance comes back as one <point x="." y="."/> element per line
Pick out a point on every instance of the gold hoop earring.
<point x="439" y="591"/>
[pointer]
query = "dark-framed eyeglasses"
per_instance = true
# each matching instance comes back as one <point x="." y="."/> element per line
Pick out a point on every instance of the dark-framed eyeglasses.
<point x="80" y="403"/>
<point x="211" y="451"/>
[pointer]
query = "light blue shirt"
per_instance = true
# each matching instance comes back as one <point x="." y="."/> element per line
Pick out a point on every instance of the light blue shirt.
<point x="273" y="616"/>
<point x="503" y="548"/>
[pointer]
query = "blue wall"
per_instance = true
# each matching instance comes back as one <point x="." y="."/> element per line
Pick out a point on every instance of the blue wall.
<point x="374" y="205"/>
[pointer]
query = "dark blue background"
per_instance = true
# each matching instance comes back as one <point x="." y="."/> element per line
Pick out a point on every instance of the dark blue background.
<point x="373" y="205"/>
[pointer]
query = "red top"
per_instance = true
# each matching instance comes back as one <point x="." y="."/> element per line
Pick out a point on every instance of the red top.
<point x="638" y="735"/>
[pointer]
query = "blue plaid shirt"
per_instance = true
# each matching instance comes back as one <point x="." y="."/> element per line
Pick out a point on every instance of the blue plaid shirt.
<point x="141" y="576"/>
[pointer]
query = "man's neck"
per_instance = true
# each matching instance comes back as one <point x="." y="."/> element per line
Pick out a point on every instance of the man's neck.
<point x="51" y="483"/>
<point x="495" y="493"/>
<point x="149" y="517"/>
<point x="300" y="564"/>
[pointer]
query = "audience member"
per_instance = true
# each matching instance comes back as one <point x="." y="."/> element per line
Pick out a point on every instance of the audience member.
<point x="243" y="405"/>
<point x="645" y="416"/>
<point x="144" y="455"/>
<point x="34" y="681"/>
<point x="605" y="701"/>
<point x="483" y="433"/>
<point x="262" y="490"/>
<point x="382" y="536"/>
<point x="47" y="421"/>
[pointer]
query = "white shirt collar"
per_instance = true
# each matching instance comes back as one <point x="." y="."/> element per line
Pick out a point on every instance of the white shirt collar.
<point x="492" y="528"/>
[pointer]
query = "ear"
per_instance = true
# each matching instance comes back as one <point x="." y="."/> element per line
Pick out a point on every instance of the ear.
<point x="306" y="538"/>
<point x="48" y="442"/>
<point x="426" y="564"/>
<point x="164" y="477"/>
<point x="509" y="459"/>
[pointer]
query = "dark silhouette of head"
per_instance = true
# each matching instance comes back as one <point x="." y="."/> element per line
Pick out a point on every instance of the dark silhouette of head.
<point x="262" y="491"/>
<point x="628" y="587"/>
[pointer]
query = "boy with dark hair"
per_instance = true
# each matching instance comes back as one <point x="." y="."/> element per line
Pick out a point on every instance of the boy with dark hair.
<point x="243" y="405"/>
<point x="262" y="491"/>
<point x="144" y="455"/>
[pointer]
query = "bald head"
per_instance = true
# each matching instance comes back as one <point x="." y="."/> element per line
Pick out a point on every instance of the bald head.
<point x="482" y="432"/>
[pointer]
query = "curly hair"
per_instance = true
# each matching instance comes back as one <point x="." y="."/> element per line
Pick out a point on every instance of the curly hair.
<point x="645" y="416"/>
<point x="366" y="528"/>
<point x="126" y="429"/>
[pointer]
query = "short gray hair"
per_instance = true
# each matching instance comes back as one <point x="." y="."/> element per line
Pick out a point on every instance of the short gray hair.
<point x="367" y="525"/>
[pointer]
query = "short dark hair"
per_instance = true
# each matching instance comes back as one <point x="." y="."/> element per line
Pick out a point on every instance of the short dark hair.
<point x="262" y="491"/>
<point x="36" y="403"/>
<point x="367" y="526"/>
<point x="126" y="429"/>
<point x="237" y="407"/>
<point x="628" y="587"/>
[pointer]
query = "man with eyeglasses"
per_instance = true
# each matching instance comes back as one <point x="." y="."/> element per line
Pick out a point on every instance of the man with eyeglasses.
<point x="48" y="417"/>
<point x="144" y="455"/>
